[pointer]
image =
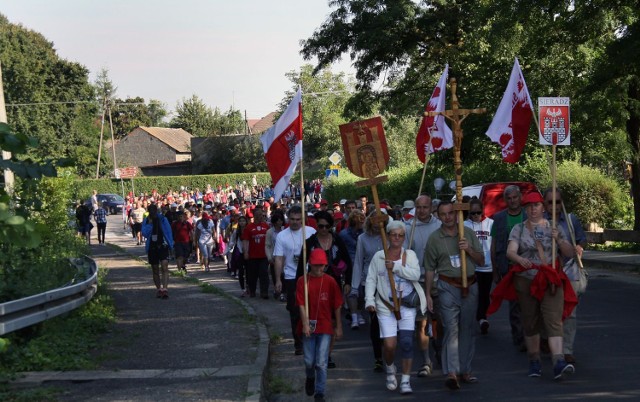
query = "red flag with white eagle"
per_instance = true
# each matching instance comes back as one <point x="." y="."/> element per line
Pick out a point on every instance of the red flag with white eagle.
<point x="434" y="135"/>
<point x="282" y="145"/>
<point x="510" y="125"/>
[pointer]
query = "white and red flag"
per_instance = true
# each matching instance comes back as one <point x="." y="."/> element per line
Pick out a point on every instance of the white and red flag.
<point x="510" y="125"/>
<point x="434" y="135"/>
<point x="282" y="145"/>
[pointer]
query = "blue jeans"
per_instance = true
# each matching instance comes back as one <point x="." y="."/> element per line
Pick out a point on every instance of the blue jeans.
<point x="316" y="357"/>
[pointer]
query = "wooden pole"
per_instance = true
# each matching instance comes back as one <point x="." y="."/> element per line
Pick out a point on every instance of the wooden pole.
<point x="104" y="110"/>
<point x="9" y="179"/>
<point x="553" y="204"/>
<point x="457" y="115"/>
<point x="304" y="242"/>
<point x="385" y="248"/>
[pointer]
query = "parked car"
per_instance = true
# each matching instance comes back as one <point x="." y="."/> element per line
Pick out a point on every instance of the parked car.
<point x="114" y="202"/>
<point x="491" y="194"/>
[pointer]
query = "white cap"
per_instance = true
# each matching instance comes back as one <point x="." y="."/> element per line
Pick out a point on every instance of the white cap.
<point x="408" y="204"/>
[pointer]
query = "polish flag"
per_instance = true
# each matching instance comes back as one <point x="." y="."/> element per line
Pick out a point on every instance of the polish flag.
<point x="282" y="145"/>
<point x="510" y="125"/>
<point x="434" y="135"/>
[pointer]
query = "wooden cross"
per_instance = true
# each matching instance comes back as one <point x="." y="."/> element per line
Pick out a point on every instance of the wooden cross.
<point x="457" y="116"/>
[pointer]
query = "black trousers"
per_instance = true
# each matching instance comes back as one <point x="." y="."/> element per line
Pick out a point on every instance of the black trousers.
<point x="102" y="228"/>
<point x="258" y="269"/>
<point x="294" y="311"/>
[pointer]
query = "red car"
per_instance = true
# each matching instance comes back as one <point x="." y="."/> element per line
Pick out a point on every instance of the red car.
<point x="491" y="194"/>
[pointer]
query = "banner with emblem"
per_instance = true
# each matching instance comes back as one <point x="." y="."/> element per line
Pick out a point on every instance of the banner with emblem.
<point x="365" y="147"/>
<point x="553" y="115"/>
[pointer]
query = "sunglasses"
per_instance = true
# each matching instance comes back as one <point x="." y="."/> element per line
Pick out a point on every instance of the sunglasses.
<point x="323" y="226"/>
<point x="475" y="213"/>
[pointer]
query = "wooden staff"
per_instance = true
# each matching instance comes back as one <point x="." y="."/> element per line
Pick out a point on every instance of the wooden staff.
<point x="456" y="116"/>
<point x="380" y="219"/>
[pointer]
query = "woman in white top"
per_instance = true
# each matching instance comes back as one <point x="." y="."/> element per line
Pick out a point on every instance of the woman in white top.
<point x="482" y="227"/>
<point x="378" y="298"/>
<point x="206" y="235"/>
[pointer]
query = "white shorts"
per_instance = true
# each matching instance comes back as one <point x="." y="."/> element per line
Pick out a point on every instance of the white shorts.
<point x="389" y="326"/>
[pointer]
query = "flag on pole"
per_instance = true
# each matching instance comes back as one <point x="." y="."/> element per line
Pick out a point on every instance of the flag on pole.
<point x="282" y="145"/>
<point x="510" y="125"/>
<point x="434" y="135"/>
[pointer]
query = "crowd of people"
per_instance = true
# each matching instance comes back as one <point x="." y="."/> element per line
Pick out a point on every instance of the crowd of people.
<point x="398" y="270"/>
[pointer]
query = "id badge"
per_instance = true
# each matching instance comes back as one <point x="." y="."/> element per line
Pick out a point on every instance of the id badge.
<point x="154" y="237"/>
<point x="312" y="325"/>
<point x="538" y="234"/>
<point x="455" y="260"/>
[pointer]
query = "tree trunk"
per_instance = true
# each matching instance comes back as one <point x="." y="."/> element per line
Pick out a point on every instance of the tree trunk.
<point x="633" y="133"/>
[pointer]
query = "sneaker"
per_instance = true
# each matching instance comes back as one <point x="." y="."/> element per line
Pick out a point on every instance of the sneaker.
<point x="535" y="370"/>
<point x="319" y="398"/>
<point x="392" y="381"/>
<point x="378" y="367"/>
<point x="165" y="293"/>
<point x="484" y="327"/>
<point x="310" y="385"/>
<point x="159" y="293"/>
<point x="244" y="293"/>
<point x="361" y="320"/>
<point x="405" y="388"/>
<point x="561" y="369"/>
<point x="331" y="363"/>
<point x="354" y="325"/>
<point x="570" y="359"/>
<point x="425" y="371"/>
<point x="452" y="382"/>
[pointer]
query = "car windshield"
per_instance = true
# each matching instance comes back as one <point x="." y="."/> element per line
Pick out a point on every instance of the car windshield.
<point x="114" y="198"/>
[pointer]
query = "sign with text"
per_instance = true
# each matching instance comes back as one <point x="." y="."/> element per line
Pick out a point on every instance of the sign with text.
<point x="553" y="116"/>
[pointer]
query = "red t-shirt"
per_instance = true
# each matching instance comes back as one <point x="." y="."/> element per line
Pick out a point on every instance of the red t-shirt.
<point x="328" y="291"/>
<point x="181" y="231"/>
<point x="256" y="234"/>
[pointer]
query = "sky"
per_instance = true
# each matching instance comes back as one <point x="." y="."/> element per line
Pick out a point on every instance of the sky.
<point x="227" y="52"/>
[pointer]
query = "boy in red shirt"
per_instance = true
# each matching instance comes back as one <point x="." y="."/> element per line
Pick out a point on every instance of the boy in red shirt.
<point x="325" y="301"/>
<point x="253" y="245"/>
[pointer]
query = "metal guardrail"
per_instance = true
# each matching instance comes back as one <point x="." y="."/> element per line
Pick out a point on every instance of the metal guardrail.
<point x="21" y="313"/>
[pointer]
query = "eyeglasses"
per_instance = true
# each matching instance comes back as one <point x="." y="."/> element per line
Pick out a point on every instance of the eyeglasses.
<point x="323" y="226"/>
<point x="475" y="213"/>
<point x="396" y="234"/>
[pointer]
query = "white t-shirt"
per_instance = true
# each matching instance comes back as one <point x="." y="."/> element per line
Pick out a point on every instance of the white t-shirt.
<point x="483" y="233"/>
<point x="289" y="246"/>
<point x="206" y="232"/>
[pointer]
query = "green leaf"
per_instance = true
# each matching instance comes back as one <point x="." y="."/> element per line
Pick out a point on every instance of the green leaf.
<point x="15" y="220"/>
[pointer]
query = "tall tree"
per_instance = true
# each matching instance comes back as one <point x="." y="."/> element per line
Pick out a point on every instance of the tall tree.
<point x="48" y="97"/>
<point x="325" y="95"/>
<point x="194" y="116"/>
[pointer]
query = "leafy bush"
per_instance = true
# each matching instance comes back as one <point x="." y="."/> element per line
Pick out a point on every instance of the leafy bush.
<point x="83" y="188"/>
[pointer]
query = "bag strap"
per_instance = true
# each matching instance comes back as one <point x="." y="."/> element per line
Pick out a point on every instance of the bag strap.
<point x="538" y="244"/>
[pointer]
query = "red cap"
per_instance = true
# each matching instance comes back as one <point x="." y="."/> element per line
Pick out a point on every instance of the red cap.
<point x="324" y="202"/>
<point x="532" y="197"/>
<point x="318" y="257"/>
<point x="338" y="216"/>
<point x="316" y="205"/>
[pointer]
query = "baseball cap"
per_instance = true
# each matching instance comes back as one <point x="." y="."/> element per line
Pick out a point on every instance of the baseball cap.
<point x="408" y="204"/>
<point x="318" y="257"/>
<point x="324" y="202"/>
<point x="532" y="197"/>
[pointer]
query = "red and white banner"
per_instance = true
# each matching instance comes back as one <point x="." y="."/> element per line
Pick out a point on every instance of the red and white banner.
<point x="510" y="125"/>
<point x="282" y="145"/>
<point x="554" y="121"/>
<point x="434" y="135"/>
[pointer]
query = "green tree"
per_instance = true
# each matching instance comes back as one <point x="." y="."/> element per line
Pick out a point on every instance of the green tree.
<point x="47" y="97"/>
<point x="229" y="122"/>
<point x="561" y="46"/>
<point x="325" y="95"/>
<point x="194" y="116"/>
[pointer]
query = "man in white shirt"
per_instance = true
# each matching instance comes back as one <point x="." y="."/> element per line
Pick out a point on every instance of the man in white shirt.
<point x="286" y="254"/>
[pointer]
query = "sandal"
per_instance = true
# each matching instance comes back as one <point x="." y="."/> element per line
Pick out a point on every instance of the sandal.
<point x="425" y="371"/>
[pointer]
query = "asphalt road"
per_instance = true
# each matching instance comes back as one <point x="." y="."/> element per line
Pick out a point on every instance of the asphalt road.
<point x="608" y="327"/>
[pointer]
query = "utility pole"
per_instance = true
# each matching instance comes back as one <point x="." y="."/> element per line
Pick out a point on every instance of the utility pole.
<point x="9" y="179"/>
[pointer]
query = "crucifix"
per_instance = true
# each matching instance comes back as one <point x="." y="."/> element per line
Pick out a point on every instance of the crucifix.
<point x="457" y="116"/>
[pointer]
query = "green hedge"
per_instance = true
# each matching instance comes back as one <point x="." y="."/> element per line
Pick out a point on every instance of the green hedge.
<point x="588" y="192"/>
<point x="83" y="188"/>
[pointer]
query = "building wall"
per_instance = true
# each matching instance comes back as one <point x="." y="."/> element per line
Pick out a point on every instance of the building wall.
<point x="141" y="149"/>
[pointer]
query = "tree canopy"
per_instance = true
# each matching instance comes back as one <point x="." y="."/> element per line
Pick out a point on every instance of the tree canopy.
<point x="583" y="50"/>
